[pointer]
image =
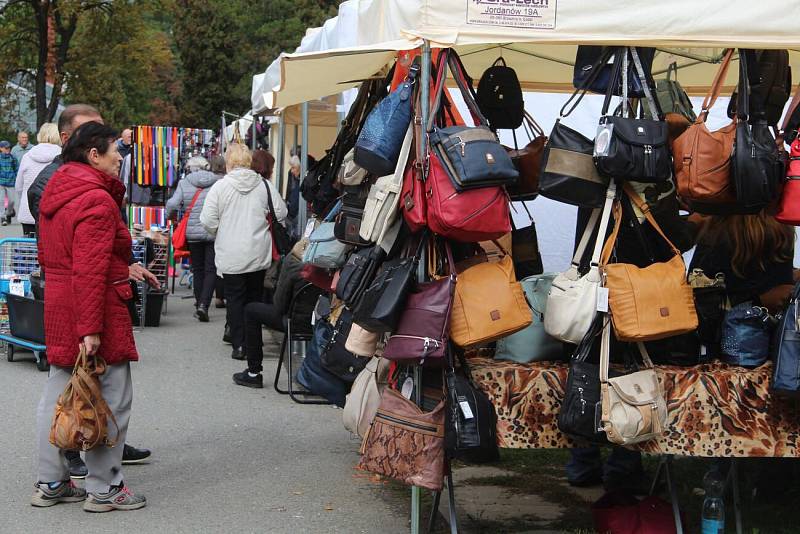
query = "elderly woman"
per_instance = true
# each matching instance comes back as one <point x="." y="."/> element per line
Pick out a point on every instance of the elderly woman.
<point x="191" y="195"/>
<point x="39" y="157"/>
<point x="85" y="248"/>
<point x="235" y="211"/>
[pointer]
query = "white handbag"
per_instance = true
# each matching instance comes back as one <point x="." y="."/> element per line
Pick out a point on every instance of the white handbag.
<point x="364" y="398"/>
<point x="380" y="211"/>
<point x="572" y="301"/>
<point x="349" y="172"/>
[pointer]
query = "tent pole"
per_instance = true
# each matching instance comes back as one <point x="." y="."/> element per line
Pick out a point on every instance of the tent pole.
<point x="279" y="153"/>
<point x="301" y="212"/>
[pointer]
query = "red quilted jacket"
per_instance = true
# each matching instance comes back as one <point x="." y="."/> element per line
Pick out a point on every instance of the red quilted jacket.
<point x="84" y="248"/>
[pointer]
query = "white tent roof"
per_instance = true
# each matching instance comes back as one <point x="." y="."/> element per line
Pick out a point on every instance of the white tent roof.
<point x="536" y="37"/>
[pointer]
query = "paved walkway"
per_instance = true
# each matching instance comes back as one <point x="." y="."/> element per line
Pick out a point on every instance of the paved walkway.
<point x="225" y="458"/>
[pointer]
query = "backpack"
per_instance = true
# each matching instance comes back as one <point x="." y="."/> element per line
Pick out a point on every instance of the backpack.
<point x="770" y="78"/>
<point x="499" y="97"/>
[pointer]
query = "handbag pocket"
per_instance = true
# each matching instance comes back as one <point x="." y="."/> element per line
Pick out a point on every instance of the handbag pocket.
<point x="473" y="158"/>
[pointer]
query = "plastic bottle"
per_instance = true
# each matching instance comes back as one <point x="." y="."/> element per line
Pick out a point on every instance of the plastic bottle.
<point x="713" y="518"/>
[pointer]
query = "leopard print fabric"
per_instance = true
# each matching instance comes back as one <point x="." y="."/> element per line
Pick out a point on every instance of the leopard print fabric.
<point x="713" y="409"/>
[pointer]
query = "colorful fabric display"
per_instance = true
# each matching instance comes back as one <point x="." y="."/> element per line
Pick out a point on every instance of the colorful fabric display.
<point x="147" y="216"/>
<point x="156" y="155"/>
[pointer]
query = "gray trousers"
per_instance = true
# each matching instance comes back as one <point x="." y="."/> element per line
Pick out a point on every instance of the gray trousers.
<point x="104" y="463"/>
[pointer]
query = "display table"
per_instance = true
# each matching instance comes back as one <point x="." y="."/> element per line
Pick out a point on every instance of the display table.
<point x="713" y="410"/>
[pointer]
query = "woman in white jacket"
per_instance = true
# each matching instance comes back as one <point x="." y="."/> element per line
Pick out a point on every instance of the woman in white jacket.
<point x="235" y="211"/>
<point x="36" y="159"/>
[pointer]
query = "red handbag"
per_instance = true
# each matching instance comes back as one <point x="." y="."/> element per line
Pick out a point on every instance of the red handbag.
<point x="789" y="212"/>
<point x="179" y="243"/>
<point x="620" y="513"/>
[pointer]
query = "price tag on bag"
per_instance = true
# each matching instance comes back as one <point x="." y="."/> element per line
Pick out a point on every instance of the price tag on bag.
<point x="309" y="227"/>
<point x="408" y="388"/>
<point x="17" y="287"/>
<point x="602" y="299"/>
<point x="466" y="410"/>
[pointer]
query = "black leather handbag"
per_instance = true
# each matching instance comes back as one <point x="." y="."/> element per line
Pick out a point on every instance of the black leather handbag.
<point x="280" y="236"/>
<point x="757" y="167"/>
<point x="629" y="148"/>
<point x="470" y="431"/>
<point x="335" y="357"/>
<point x="357" y="273"/>
<point x="594" y="70"/>
<point x="348" y="221"/>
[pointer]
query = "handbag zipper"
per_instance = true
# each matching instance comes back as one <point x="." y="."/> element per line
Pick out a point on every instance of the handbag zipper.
<point x="426" y="345"/>
<point x="406" y="423"/>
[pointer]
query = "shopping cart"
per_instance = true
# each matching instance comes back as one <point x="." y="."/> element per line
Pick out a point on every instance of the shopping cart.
<point x="18" y="259"/>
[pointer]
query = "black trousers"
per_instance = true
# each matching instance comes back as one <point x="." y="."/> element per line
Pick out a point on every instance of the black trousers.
<point x="255" y="315"/>
<point x="240" y="290"/>
<point x="203" y="270"/>
<point x="28" y="229"/>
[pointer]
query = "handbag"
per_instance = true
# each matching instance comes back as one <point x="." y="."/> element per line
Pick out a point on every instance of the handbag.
<point x="179" y="241"/>
<point x="499" y="96"/>
<point x="350" y="218"/>
<point x="629" y="148"/>
<point x="281" y="241"/>
<point x="362" y="402"/>
<point x="711" y="303"/>
<point x="324" y="250"/>
<point x="404" y="443"/>
<point x="527" y="161"/>
<point x="701" y="158"/>
<point x="594" y="70"/>
<point x="335" y="357"/>
<point x="652" y="302"/>
<point x="671" y="96"/>
<point x="362" y="342"/>
<point x="470" y="419"/>
<point x="471" y="155"/>
<point x="786" y="350"/>
<point x="423" y="331"/>
<point x="525" y="249"/>
<point x="789" y="212"/>
<point x="357" y="273"/>
<point x="622" y="513"/>
<point x="572" y="301"/>
<point x="633" y="405"/>
<point x="380" y="210"/>
<point x="313" y="376"/>
<point x="80" y="421"/>
<point x="350" y="173"/>
<point x="488" y="303"/>
<point x="532" y="344"/>
<point x="378" y="146"/>
<point x="746" y="334"/>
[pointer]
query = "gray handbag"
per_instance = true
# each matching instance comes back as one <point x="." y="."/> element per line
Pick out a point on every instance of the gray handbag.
<point x="532" y="344"/>
<point x="324" y="250"/>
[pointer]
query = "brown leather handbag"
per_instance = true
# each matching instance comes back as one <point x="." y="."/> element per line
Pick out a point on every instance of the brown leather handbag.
<point x="489" y="303"/>
<point x="647" y="303"/>
<point x="404" y="443"/>
<point x="528" y="161"/>
<point x="701" y="158"/>
<point x="81" y="417"/>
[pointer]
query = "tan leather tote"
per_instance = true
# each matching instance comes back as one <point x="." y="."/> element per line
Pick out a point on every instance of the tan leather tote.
<point x="81" y="417"/>
<point x="647" y="303"/>
<point x="633" y="405"/>
<point x="364" y="398"/>
<point x="701" y="158"/>
<point x="489" y="303"/>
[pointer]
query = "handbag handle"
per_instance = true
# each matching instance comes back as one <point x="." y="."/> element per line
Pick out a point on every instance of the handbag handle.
<point x="605" y="352"/>
<point x="580" y="93"/>
<point x="611" y="194"/>
<point x="743" y="98"/>
<point x="716" y="86"/>
<point x="616" y="72"/>
<point x="453" y="62"/>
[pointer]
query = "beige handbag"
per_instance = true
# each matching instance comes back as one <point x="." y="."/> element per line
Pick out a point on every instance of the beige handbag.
<point x="633" y="406"/>
<point x="362" y="342"/>
<point x="364" y="398"/>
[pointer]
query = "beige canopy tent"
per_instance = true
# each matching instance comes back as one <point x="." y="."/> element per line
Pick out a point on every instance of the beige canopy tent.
<point x="537" y="38"/>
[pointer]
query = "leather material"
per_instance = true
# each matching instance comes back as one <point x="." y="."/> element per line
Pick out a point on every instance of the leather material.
<point x="412" y="198"/>
<point x="757" y="167"/>
<point x="357" y="273"/>
<point x="593" y="71"/>
<point x="324" y="250"/>
<point x="473" y="438"/>
<point x="499" y="96"/>
<point x="335" y="357"/>
<point x="350" y="173"/>
<point x="423" y="330"/>
<point x="80" y="422"/>
<point x="362" y="342"/>
<point x="489" y="304"/>
<point x="364" y="398"/>
<point x="786" y="350"/>
<point x="528" y="162"/>
<point x="746" y="333"/>
<point x="638" y="150"/>
<point x="568" y="171"/>
<point x="406" y="444"/>
<point x="532" y="344"/>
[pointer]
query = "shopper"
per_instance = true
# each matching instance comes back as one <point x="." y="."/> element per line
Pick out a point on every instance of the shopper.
<point x="218" y="168"/>
<point x="85" y="248"/>
<point x="201" y="244"/>
<point x="235" y="212"/>
<point x="8" y="176"/>
<point x="263" y="163"/>
<point x="39" y="157"/>
<point x="273" y="316"/>
<point x="22" y="147"/>
<point x="124" y="143"/>
<point x="293" y="194"/>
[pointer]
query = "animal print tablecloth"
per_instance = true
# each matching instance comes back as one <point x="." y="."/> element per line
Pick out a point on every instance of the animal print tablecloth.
<point x="714" y="409"/>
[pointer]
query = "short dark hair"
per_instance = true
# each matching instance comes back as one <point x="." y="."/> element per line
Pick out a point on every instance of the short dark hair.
<point x="70" y="112"/>
<point x="89" y="135"/>
<point x="218" y="164"/>
<point x="262" y="163"/>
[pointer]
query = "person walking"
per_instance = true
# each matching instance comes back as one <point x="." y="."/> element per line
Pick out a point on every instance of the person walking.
<point x="8" y="176"/>
<point x="39" y="157"/>
<point x="190" y="195"/>
<point x="235" y="212"/>
<point x="85" y="248"/>
<point x="218" y="168"/>
<point x="22" y="147"/>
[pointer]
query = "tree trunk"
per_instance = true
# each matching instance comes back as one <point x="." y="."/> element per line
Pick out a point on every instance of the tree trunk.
<point x="41" y="10"/>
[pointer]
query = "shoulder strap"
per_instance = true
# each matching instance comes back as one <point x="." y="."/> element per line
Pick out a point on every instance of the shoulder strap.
<point x="716" y="86"/>
<point x="605" y="352"/>
<point x="743" y="100"/>
<point x="611" y="194"/>
<point x="271" y="215"/>
<point x="792" y="106"/>
<point x="191" y="204"/>
<point x="566" y="109"/>
<point x="587" y="233"/>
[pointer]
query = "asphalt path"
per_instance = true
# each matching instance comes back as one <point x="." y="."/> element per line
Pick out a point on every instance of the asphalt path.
<point x="225" y="458"/>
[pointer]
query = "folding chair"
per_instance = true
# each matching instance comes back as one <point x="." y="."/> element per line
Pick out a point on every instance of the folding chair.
<point x="298" y="328"/>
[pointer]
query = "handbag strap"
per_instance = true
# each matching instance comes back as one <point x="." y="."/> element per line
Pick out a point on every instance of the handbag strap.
<point x="655" y="110"/>
<point x="611" y="193"/>
<point x="452" y="61"/>
<point x="531" y="126"/>
<point x="673" y="68"/>
<point x="580" y="93"/>
<point x="743" y="98"/>
<point x="605" y="352"/>
<point x="620" y="58"/>
<point x="587" y="233"/>
<point x="191" y="204"/>
<point x="271" y="215"/>
<point x="716" y="86"/>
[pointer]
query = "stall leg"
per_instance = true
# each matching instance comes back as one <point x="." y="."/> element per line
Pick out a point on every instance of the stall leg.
<point x="451" y="501"/>
<point x="673" y="494"/>
<point x="437" y="498"/>
<point x="737" y="508"/>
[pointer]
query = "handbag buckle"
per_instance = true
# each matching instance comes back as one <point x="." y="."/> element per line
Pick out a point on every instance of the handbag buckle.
<point x="462" y="144"/>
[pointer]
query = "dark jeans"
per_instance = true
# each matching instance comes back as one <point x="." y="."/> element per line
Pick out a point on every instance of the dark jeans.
<point x="219" y="288"/>
<point x="203" y="271"/>
<point x="28" y="229"/>
<point x="586" y="463"/>
<point x="255" y="315"/>
<point x="240" y="290"/>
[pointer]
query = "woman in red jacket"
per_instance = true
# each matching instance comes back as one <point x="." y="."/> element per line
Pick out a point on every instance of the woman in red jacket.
<point x="84" y="248"/>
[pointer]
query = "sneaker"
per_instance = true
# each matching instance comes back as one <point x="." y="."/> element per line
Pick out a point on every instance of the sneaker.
<point x="132" y="455"/>
<point x="246" y="379"/>
<point x="77" y="469"/>
<point x="226" y="335"/>
<point x="219" y="303"/>
<point x="65" y="492"/>
<point x="119" y="498"/>
<point x="5" y="222"/>
<point x="202" y="313"/>
<point x="238" y="354"/>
